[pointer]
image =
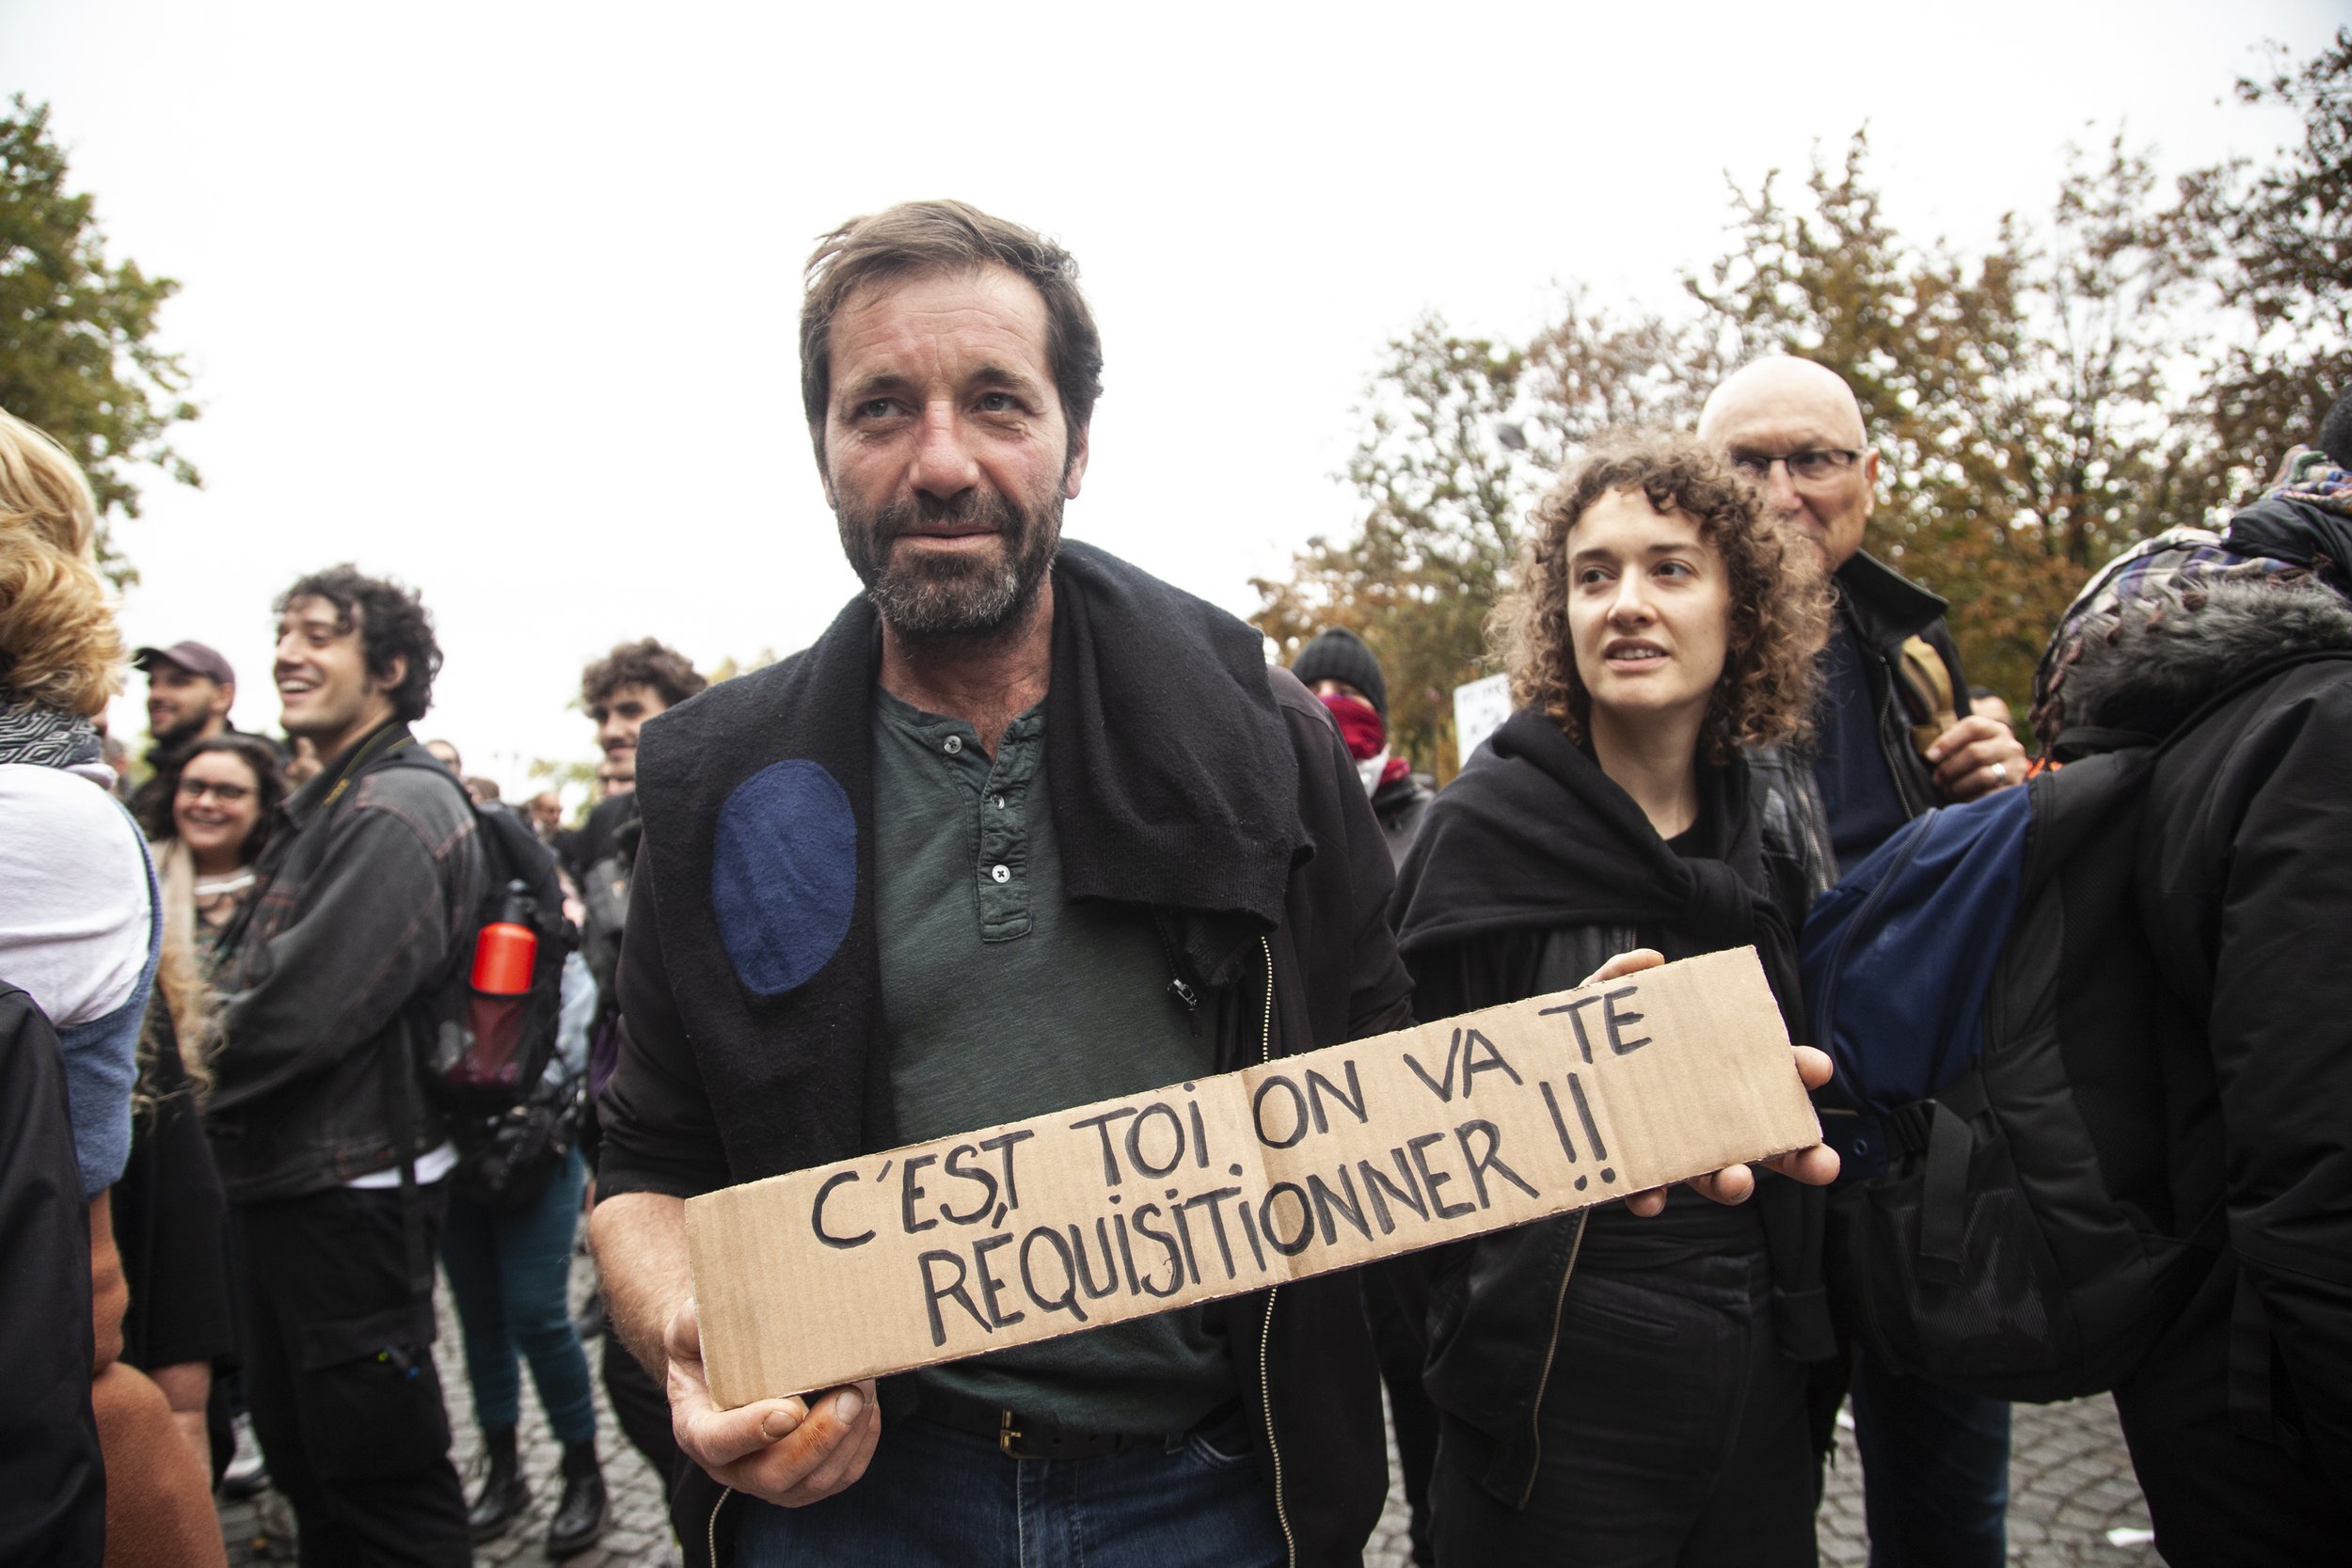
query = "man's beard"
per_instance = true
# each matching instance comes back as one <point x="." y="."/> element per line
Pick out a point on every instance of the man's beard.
<point x="928" y="594"/>
<point x="178" y="736"/>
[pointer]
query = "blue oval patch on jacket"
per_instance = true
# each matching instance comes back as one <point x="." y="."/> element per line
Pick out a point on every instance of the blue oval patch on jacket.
<point x="783" y="874"/>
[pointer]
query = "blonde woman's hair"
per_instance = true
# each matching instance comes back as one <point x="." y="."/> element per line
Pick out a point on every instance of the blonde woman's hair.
<point x="58" y="644"/>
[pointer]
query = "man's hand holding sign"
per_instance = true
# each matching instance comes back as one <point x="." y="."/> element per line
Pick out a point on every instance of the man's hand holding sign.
<point x="832" y="1276"/>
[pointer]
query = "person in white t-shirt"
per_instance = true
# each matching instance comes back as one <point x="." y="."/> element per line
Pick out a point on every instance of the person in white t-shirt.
<point x="80" y="930"/>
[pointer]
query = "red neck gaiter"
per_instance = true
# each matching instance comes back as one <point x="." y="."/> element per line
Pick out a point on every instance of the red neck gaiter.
<point x="1360" y="725"/>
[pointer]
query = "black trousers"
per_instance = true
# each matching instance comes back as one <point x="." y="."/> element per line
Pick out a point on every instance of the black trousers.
<point x="1396" y="1310"/>
<point x="2221" y="1498"/>
<point x="1674" y="1434"/>
<point x="341" y="1381"/>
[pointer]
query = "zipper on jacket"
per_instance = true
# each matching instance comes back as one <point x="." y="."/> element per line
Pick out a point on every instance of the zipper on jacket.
<point x="1176" y="986"/>
<point x="1551" y="1349"/>
<point x="1265" y="1333"/>
<point x="710" y="1542"/>
<point x="1894" y="763"/>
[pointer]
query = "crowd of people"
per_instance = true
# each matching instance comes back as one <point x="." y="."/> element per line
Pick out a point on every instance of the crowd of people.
<point x="1020" y="780"/>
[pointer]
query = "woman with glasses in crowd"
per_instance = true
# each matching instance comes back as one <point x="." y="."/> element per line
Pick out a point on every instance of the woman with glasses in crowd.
<point x="1613" y="1388"/>
<point x="222" y="808"/>
<point x="171" y="1217"/>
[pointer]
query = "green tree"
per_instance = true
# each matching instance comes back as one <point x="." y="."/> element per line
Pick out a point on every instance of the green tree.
<point x="2275" y="239"/>
<point x="2037" y="403"/>
<point x="77" y="355"/>
<point x="2018" y="398"/>
<point x="1460" y="433"/>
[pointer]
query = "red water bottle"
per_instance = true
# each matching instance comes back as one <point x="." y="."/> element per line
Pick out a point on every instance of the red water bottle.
<point x="506" y="950"/>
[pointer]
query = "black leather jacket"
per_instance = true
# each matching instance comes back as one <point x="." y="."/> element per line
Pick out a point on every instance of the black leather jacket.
<point x="371" y="879"/>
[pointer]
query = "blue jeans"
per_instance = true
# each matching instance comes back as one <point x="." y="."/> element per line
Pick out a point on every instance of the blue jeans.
<point x="1934" y="1471"/>
<point x="937" y="1496"/>
<point x="510" y="1275"/>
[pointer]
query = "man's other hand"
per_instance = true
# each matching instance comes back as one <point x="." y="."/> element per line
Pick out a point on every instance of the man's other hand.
<point x="1975" y="757"/>
<point x="1816" y="1167"/>
<point x="789" y="1451"/>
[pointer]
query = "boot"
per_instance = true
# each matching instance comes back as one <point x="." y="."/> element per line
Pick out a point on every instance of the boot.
<point x="580" y="1516"/>
<point x="504" y="1493"/>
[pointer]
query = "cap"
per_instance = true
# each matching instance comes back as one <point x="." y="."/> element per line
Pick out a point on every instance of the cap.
<point x="194" y="658"/>
<point x="1339" y="655"/>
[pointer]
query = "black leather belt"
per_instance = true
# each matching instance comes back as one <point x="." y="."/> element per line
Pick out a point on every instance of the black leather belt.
<point x="1019" y="1436"/>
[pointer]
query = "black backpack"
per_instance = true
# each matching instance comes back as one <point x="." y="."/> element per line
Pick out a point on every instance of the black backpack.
<point x="485" y="1054"/>
<point x="2017" y="1244"/>
<point x="1995" y="1254"/>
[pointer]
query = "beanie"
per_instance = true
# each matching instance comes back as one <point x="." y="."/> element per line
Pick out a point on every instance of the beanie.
<point x="1339" y="655"/>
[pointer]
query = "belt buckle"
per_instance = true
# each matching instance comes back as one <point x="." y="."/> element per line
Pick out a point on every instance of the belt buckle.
<point x="1006" y="1435"/>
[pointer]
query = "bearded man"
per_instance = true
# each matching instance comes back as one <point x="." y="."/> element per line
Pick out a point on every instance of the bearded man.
<point x="1025" y="828"/>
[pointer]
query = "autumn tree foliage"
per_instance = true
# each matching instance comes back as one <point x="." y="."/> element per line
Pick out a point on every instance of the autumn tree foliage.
<point x="2132" y="357"/>
<point x="77" y="352"/>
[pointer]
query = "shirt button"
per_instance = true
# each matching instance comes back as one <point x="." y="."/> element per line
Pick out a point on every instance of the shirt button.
<point x="1000" y="874"/>
<point x="955" y="744"/>
<point x="997" y="800"/>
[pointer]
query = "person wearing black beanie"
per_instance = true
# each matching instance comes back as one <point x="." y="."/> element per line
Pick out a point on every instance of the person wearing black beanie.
<point x="1344" y="675"/>
<point x="1342" y="670"/>
<point x="1339" y="654"/>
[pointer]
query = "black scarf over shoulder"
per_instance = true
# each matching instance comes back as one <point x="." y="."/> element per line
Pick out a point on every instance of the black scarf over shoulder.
<point x="1173" y="786"/>
<point x="1533" y="834"/>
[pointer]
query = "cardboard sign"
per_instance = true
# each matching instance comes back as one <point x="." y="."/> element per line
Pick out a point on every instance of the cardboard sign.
<point x="1130" y="1207"/>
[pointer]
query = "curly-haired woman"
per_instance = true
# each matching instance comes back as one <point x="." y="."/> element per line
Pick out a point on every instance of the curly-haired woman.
<point x="1616" y="1388"/>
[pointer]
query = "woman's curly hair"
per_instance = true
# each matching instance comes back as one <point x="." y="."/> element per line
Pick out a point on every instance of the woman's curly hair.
<point x="59" y="645"/>
<point x="1780" y="598"/>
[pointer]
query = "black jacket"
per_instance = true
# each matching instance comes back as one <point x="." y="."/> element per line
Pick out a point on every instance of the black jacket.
<point x="2244" y="889"/>
<point x="1400" y="806"/>
<point x="368" y="887"/>
<point x="1529" y="872"/>
<point x="1885" y="609"/>
<point x="1187" y="778"/>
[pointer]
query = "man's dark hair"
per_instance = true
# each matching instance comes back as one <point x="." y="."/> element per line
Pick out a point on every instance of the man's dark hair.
<point x="2335" y="432"/>
<point x="643" y="662"/>
<point x="929" y="237"/>
<point x="393" y="625"/>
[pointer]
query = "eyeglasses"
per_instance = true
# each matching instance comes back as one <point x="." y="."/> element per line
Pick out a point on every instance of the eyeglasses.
<point x="1817" y="466"/>
<point x="227" y="794"/>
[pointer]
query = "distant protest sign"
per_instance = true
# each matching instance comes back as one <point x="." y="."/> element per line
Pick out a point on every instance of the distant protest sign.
<point x="1119" y="1209"/>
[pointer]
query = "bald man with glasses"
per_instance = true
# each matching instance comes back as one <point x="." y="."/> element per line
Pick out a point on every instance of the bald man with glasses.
<point x="1888" y="746"/>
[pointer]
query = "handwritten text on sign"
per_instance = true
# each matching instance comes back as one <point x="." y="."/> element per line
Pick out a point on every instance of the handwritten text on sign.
<point x="1232" y="1183"/>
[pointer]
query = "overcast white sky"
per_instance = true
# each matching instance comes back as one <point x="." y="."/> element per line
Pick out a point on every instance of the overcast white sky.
<point x="499" y="299"/>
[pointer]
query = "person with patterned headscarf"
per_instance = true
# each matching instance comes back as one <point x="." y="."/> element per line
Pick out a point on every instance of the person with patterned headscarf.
<point x="2235" y="649"/>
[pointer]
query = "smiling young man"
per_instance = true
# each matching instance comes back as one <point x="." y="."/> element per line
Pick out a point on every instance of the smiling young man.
<point x="1026" y="828"/>
<point x="330" y="1154"/>
<point x="1934" y="1464"/>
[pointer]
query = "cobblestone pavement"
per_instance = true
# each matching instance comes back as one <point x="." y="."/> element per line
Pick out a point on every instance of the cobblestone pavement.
<point x="2070" y="1486"/>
